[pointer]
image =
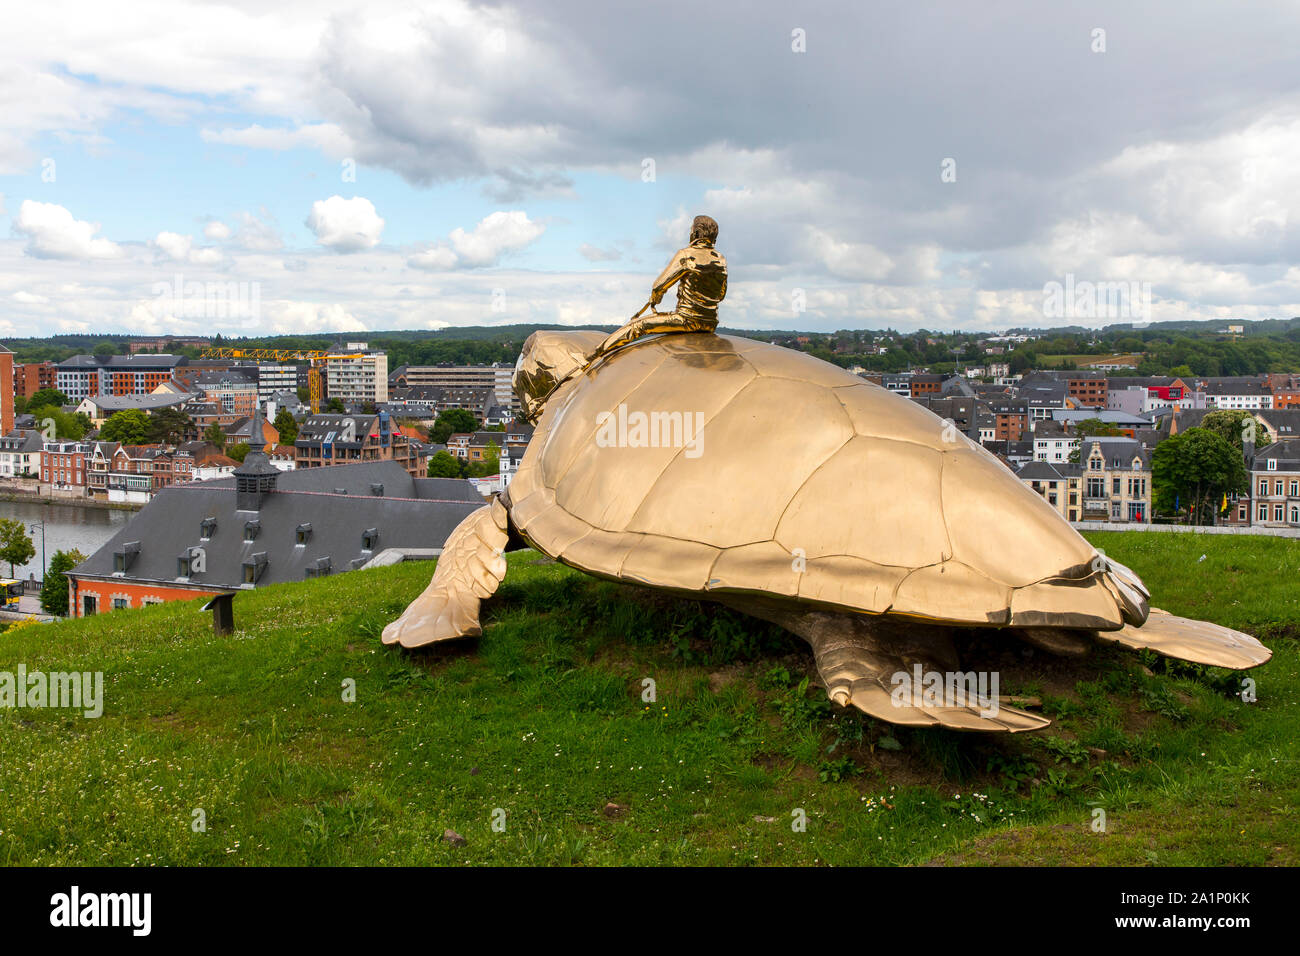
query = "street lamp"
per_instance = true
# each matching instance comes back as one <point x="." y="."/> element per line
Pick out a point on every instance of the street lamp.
<point x="32" y="528"/>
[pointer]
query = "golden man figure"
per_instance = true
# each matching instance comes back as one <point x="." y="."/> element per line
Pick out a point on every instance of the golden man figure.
<point x="700" y="273"/>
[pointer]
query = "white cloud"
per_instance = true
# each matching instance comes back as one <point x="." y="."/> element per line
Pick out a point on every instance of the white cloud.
<point x="497" y="234"/>
<point x="326" y="137"/>
<point x="258" y="234"/>
<point x="174" y="245"/>
<point x="436" y="259"/>
<point x="29" y="298"/>
<point x="53" y="233"/>
<point x="180" y="248"/>
<point x="596" y="254"/>
<point x="345" y="225"/>
<point x="216" y="230"/>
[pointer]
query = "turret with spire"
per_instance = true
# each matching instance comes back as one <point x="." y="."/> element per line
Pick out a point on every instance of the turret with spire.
<point x="256" y="476"/>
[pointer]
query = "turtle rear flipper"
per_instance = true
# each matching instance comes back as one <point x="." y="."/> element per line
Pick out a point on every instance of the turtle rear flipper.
<point x="1197" y="641"/>
<point x="882" y="667"/>
<point x="471" y="567"/>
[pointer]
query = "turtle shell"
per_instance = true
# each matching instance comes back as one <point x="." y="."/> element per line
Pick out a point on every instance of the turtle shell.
<point x="719" y="465"/>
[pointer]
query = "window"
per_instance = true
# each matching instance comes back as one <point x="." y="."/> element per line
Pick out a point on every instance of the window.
<point x="1263" y="513"/>
<point x="1277" y="512"/>
<point x="1295" y="515"/>
<point x="121" y="603"/>
<point x="252" y="529"/>
<point x="1272" y="464"/>
<point x="1295" y="488"/>
<point x="207" y="527"/>
<point x="303" y="533"/>
<point x="1263" y="486"/>
<point x="1114" y="486"/>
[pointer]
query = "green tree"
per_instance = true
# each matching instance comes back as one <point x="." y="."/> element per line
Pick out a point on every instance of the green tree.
<point x="335" y="405"/>
<point x="71" y="427"/>
<point x="238" y="452"/>
<point x="15" y="546"/>
<point x="105" y="349"/>
<point x="54" y="594"/>
<point x="444" y="464"/>
<point x="170" y="426"/>
<point x="1235" y="425"/>
<point x="47" y="396"/>
<point x="1092" y="427"/>
<point x="130" y="426"/>
<point x="286" y="425"/>
<point x="450" y="422"/>
<point x="213" y="435"/>
<point x="1192" y="472"/>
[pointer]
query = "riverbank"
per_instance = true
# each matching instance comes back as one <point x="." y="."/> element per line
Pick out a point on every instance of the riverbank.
<point x="71" y="502"/>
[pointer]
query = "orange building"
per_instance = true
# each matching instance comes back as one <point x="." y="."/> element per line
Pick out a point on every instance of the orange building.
<point x="6" y="391"/>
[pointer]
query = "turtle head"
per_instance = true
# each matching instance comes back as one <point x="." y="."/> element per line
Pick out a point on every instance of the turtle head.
<point x="547" y="360"/>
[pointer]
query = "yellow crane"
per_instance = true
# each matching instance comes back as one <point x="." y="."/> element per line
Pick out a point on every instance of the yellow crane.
<point x="317" y="360"/>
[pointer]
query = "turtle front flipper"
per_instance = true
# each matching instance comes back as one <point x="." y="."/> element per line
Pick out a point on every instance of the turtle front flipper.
<point x="471" y="567"/>
<point x="1198" y="641"/>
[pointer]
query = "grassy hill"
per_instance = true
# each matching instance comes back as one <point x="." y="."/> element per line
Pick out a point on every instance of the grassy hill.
<point x="545" y="721"/>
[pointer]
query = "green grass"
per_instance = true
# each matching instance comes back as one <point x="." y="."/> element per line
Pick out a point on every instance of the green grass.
<point x="544" y="720"/>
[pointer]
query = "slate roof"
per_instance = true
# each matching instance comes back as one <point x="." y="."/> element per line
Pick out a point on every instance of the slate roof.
<point x="1285" y="453"/>
<point x="172" y="523"/>
<point x="1048" y="471"/>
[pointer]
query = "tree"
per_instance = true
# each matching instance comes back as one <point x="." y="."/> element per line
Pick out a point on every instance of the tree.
<point x="1192" y="472"/>
<point x="491" y="463"/>
<point x="1091" y="427"/>
<point x="335" y="405"/>
<point x="286" y="425"/>
<point x="213" y="435"/>
<point x="105" y="349"/>
<point x="238" y="452"/>
<point x="1234" y="425"/>
<point x="54" y="593"/>
<point x="445" y="465"/>
<point x="47" y="396"/>
<point x="15" y="546"/>
<point x="450" y="422"/>
<point x="71" y="427"/>
<point x="170" y="426"/>
<point x="130" y="426"/>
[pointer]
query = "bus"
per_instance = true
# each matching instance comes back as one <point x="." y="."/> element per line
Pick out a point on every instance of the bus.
<point x="10" y="591"/>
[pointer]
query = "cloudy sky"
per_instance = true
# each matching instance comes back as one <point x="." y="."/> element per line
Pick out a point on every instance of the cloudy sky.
<point x="418" y="165"/>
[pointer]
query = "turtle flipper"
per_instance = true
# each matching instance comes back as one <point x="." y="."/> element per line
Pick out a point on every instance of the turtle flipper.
<point x="893" y="686"/>
<point x="1198" y="641"/>
<point x="470" y="568"/>
<point x="876" y="664"/>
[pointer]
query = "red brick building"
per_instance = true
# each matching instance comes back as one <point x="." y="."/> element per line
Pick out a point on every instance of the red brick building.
<point x="65" y="464"/>
<point x="31" y="378"/>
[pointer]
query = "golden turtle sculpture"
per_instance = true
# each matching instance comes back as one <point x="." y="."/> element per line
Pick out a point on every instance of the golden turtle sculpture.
<point x="740" y="472"/>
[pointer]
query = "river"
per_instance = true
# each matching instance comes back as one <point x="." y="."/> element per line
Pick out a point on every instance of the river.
<point x="66" y="527"/>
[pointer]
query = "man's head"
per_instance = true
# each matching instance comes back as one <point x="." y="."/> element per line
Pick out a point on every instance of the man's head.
<point x="704" y="227"/>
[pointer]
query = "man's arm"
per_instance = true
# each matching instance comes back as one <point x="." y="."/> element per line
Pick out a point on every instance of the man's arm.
<point x="669" y="277"/>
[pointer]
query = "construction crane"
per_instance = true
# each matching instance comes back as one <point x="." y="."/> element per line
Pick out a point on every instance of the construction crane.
<point x="316" y="359"/>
